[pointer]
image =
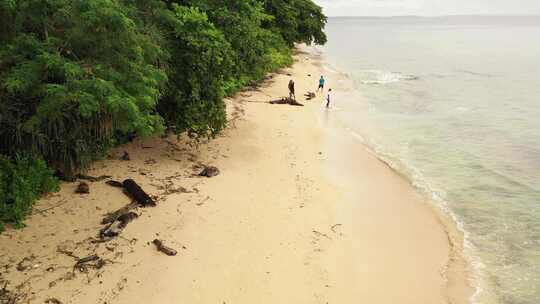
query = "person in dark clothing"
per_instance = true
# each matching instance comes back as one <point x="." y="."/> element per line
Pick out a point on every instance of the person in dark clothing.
<point x="291" y="90"/>
<point x="328" y="98"/>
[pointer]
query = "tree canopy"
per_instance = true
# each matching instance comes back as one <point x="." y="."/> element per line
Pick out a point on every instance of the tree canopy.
<point x="77" y="76"/>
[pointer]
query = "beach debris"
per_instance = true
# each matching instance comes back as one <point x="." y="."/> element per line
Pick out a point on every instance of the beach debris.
<point x="150" y="161"/>
<point x="333" y="228"/>
<point x="209" y="171"/>
<point x="7" y="296"/>
<point x="82" y="188"/>
<point x="203" y="201"/>
<point x="310" y="95"/>
<point x="53" y="301"/>
<point x="25" y="264"/>
<point x="93" y="261"/>
<point x="92" y="178"/>
<point x="67" y="248"/>
<point x="116" y="227"/>
<point x="309" y="75"/>
<point x="286" y="100"/>
<point x="111" y="217"/>
<point x="116" y="184"/>
<point x="320" y="234"/>
<point x="161" y="247"/>
<point x="169" y="188"/>
<point x="125" y="156"/>
<point x="138" y="194"/>
<point x="61" y="175"/>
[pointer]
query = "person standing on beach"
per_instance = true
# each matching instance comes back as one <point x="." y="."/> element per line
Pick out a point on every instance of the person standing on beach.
<point x="291" y="90"/>
<point x="321" y="84"/>
<point x="328" y="98"/>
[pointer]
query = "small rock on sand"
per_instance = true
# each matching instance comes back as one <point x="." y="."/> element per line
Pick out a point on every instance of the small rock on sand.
<point x="83" y="188"/>
<point x="209" y="171"/>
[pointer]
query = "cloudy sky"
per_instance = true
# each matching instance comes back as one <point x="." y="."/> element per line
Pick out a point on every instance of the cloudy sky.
<point x="429" y="7"/>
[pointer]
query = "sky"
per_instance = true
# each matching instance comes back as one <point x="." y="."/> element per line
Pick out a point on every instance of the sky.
<point x="429" y="7"/>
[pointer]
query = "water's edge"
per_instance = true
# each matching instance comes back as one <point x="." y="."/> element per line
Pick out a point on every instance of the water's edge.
<point x="462" y="261"/>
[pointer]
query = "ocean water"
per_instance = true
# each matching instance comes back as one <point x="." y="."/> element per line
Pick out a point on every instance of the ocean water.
<point x="453" y="103"/>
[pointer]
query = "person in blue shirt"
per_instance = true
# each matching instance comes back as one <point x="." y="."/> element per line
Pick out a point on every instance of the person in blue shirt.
<point x="321" y="84"/>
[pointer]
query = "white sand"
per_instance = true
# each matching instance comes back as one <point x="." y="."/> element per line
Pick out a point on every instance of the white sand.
<point x="299" y="214"/>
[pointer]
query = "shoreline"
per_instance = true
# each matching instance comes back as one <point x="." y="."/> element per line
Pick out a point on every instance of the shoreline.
<point x="462" y="277"/>
<point x="290" y="219"/>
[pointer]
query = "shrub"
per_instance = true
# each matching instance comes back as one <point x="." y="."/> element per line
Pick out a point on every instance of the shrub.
<point x="23" y="179"/>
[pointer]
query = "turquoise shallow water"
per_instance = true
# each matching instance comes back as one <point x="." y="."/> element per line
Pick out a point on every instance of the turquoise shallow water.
<point x="453" y="103"/>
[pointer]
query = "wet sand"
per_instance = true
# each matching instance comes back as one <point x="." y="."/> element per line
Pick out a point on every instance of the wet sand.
<point x="301" y="213"/>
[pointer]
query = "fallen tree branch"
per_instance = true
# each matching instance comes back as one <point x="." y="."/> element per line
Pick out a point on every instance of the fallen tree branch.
<point x="115" y="228"/>
<point x="334" y="227"/>
<point x="83" y="264"/>
<point x="111" y="217"/>
<point x="61" y="203"/>
<point x="92" y="178"/>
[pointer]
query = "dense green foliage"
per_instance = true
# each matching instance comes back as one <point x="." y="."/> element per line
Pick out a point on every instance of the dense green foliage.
<point x="78" y="75"/>
<point x="297" y="20"/>
<point x="23" y="180"/>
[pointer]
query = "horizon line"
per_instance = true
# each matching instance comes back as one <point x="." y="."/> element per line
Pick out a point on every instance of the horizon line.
<point x="435" y="16"/>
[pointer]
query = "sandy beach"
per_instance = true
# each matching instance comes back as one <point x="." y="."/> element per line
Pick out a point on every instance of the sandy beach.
<point x="300" y="213"/>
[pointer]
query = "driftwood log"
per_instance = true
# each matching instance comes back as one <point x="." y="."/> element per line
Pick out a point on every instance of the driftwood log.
<point x="111" y="217"/>
<point x="137" y="193"/>
<point x="161" y="247"/>
<point x="286" y="100"/>
<point x="115" y="228"/>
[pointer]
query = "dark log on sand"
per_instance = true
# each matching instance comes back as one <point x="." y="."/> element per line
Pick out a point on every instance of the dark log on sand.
<point x="288" y="101"/>
<point x="167" y="250"/>
<point x="138" y="194"/>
